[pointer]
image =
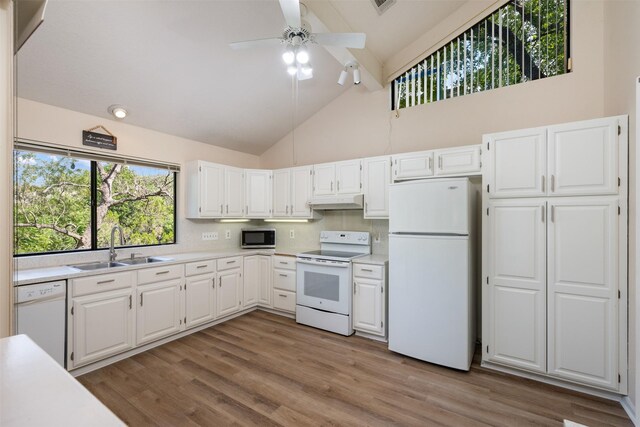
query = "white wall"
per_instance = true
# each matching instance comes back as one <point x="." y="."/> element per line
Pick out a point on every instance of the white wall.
<point x="46" y="123"/>
<point x="359" y="123"/>
<point x="622" y="67"/>
<point x="6" y="135"/>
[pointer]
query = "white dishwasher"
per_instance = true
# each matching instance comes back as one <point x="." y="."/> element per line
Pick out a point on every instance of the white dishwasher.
<point x="40" y="314"/>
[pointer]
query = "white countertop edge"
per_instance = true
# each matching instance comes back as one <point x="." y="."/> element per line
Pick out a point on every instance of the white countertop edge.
<point x="372" y="260"/>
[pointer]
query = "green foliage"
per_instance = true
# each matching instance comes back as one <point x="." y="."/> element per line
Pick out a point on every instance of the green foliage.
<point x="523" y="40"/>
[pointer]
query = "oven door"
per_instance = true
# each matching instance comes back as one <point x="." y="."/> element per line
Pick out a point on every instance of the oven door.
<point x="325" y="285"/>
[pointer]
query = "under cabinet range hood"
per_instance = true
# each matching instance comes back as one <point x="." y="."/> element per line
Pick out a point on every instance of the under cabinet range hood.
<point x="353" y="201"/>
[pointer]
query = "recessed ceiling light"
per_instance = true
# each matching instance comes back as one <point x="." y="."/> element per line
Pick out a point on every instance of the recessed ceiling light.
<point x="117" y="111"/>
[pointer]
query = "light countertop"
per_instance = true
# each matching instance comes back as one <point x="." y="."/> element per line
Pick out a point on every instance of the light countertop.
<point x="372" y="259"/>
<point x="36" y="391"/>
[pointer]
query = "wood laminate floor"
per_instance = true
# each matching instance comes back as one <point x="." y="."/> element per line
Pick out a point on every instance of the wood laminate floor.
<point x="262" y="369"/>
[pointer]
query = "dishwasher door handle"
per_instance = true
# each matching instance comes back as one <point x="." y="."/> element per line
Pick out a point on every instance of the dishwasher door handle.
<point x="43" y="299"/>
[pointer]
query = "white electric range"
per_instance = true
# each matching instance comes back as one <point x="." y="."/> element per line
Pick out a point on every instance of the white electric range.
<point x="324" y="286"/>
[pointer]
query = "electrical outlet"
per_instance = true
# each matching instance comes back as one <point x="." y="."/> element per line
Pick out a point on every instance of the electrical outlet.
<point x="227" y="234"/>
<point x="376" y="238"/>
<point x="292" y="234"/>
<point x="211" y="235"/>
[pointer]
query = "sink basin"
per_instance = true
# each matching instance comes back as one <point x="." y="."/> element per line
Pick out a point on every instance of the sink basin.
<point x="143" y="260"/>
<point x="97" y="265"/>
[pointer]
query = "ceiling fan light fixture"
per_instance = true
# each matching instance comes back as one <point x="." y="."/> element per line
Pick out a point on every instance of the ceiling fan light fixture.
<point x="302" y="56"/>
<point x="292" y="70"/>
<point x="117" y="111"/>
<point x="288" y="56"/>
<point x="306" y="69"/>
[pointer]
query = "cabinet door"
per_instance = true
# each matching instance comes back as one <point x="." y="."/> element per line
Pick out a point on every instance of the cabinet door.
<point x="458" y="161"/>
<point x="517" y="283"/>
<point x="349" y="177"/>
<point x="377" y="177"/>
<point x="102" y="325"/>
<point x="583" y="290"/>
<point x="281" y="193"/>
<point x="265" y="287"/>
<point x="583" y="158"/>
<point x="229" y="292"/>
<point x="301" y="185"/>
<point x="200" y="299"/>
<point x="414" y="165"/>
<point x="517" y="163"/>
<point x="211" y="189"/>
<point x="324" y="179"/>
<point x="367" y="306"/>
<point x="233" y="192"/>
<point x="158" y="311"/>
<point x="251" y="283"/>
<point x="257" y="193"/>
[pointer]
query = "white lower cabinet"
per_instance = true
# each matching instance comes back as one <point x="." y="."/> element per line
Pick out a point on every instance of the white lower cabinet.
<point x="102" y="325"/>
<point x="158" y="311"/>
<point x="230" y="286"/>
<point x="369" y="298"/>
<point x="257" y="281"/>
<point x="200" y="299"/>
<point x="284" y="283"/>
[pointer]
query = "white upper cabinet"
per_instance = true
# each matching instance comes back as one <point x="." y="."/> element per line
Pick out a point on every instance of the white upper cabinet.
<point x="376" y="180"/>
<point x="234" y="192"/>
<point x="324" y="177"/>
<point x="301" y="189"/>
<point x="281" y="192"/>
<point x="349" y="177"/>
<point x="205" y="190"/>
<point x="413" y="165"/>
<point x="458" y="161"/>
<point x="517" y="283"/>
<point x="583" y="290"/>
<point x="258" y="193"/>
<point x="583" y="158"/>
<point x="337" y="178"/>
<point x="517" y="163"/>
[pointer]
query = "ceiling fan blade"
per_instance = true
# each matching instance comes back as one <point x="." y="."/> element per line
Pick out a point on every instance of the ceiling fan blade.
<point x="352" y="40"/>
<point x="273" y="41"/>
<point x="291" y="12"/>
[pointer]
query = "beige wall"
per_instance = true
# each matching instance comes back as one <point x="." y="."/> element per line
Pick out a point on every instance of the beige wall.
<point x="6" y="134"/>
<point x="359" y="123"/>
<point x="622" y="67"/>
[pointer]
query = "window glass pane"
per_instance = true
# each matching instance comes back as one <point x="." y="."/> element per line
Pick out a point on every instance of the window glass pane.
<point x="52" y="203"/>
<point x="139" y="199"/>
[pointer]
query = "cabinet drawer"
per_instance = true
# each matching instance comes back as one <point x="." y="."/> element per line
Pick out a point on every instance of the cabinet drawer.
<point x="160" y="274"/>
<point x="229" y="263"/>
<point x="284" y="300"/>
<point x="285" y="262"/>
<point x="367" y="271"/>
<point x="202" y="267"/>
<point x="102" y="283"/>
<point x="284" y="279"/>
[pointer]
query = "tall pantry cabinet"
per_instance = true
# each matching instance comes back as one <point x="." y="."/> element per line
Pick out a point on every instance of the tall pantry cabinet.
<point x="555" y="251"/>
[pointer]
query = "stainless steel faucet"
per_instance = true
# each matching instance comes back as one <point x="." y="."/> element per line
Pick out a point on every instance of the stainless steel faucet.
<point x="112" y="250"/>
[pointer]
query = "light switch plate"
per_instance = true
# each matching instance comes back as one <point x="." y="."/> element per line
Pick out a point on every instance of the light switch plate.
<point x="292" y="234"/>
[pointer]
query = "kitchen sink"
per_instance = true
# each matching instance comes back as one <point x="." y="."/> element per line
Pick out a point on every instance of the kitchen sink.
<point x="97" y="265"/>
<point x="143" y="260"/>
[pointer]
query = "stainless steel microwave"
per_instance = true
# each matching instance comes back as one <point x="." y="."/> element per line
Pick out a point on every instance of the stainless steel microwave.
<point x="258" y="238"/>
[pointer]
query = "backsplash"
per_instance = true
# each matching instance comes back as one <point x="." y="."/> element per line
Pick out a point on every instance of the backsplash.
<point x="306" y="237"/>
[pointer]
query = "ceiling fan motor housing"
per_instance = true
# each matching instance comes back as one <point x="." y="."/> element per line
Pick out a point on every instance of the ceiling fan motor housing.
<point x="297" y="36"/>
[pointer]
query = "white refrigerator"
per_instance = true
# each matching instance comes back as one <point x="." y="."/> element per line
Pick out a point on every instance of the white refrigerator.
<point x="431" y="286"/>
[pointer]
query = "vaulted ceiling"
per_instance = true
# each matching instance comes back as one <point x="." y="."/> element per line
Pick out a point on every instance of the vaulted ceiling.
<point x="169" y="63"/>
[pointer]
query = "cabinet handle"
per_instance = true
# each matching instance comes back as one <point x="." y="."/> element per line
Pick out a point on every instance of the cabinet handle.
<point x="431" y="163"/>
<point x="102" y="282"/>
<point x="287" y="210"/>
<point x="284" y="275"/>
<point x="284" y="262"/>
<point x="367" y="269"/>
<point x="338" y="185"/>
<point x="213" y="283"/>
<point x="553" y="183"/>
<point x="202" y="266"/>
<point x="231" y="262"/>
<point x="542" y="183"/>
<point x="542" y="212"/>
<point x="355" y="286"/>
<point x="141" y="299"/>
<point x="553" y="216"/>
<point x="246" y="209"/>
<point x="227" y="208"/>
<point x="162" y="272"/>
<point x="440" y="162"/>
<point x="130" y="302"/>
<point x="366" y="207"/>
<point x="291" y="209"/>
<point x="331" y="185"/>
<point x="220" y="285"/>
<point x="283" y="295"/>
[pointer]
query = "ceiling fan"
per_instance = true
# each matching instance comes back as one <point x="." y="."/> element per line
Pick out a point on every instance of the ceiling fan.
<point x="297" y="35"/>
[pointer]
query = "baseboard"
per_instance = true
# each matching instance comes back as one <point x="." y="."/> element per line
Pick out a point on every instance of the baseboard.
<point x="630" y="409"/>
<point x="278" y="312"/>
<point x="371" y="336"/>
